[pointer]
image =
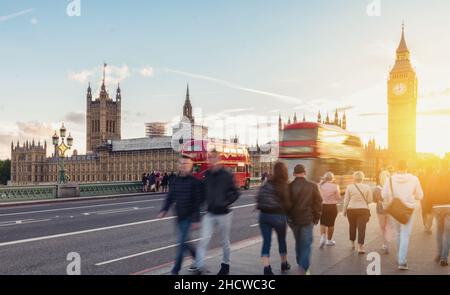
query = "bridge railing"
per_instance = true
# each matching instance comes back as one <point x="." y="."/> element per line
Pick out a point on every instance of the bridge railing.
<point x="43" y="192"/>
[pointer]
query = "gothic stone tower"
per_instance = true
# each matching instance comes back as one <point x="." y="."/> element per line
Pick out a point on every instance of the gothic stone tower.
<point x="402" y="103"/>
<point x="28" y="162"/>
<point x="187" y="108"/>
<point x="103" y="117"/>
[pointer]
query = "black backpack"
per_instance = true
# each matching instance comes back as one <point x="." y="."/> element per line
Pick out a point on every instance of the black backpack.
<point x="267" y="199"/>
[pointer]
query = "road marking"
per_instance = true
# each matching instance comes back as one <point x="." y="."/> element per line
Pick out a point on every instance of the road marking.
<point x="25" y="221"/>
<point x="142" y="253"/>
<point x="96" y="229"/>
<point x="254" y="225"/>
<point x="79" y="207"/>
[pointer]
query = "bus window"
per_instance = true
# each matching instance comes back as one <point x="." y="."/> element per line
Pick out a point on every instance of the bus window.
<point x="299" y="134"/>
<point x="241" y="169"/>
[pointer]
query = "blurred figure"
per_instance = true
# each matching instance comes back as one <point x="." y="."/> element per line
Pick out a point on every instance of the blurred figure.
<point x="356" y="208"/>
<point x="152" y="181"/>
<point x="144" y="182"/>
<point x="271" y="201"/>
<point x="438" y="202"/>
<point x="164" y="182"/>
<point x="171" y="178"/>
<point x="186" y="194"/>
<point x="304" y="206"/>
<point x="407" y="188"/>
<point x="331" y="195"/>
<point x="427" y="216"/>
<point x="384" y="219"/>
<point x="220" y="193"/>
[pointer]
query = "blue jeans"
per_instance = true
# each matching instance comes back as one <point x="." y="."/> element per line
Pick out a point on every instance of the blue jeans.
<point x="268" y="222"/>
<point x="183" y="227"/>
<point x="303" y="240"/>
<point x="403" y="234"/>
<point x="443" y="231"/>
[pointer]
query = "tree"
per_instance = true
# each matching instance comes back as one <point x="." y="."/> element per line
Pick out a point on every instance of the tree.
<point x="5" y="171"/>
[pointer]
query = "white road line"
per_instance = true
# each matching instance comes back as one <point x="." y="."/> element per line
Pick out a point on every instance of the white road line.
<point x="141" y="253"/>
<point x="26" y="221"/>
<point x="254" y="225"/>
<point x="96" y="229"/>
<point x="79" y="207"/>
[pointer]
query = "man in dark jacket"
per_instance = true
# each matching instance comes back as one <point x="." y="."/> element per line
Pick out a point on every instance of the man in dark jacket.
<point x="438" y="202"/>
<point x="185" y="192"/>
<point x="220" y="192"/>
<point x="304" y="210"/>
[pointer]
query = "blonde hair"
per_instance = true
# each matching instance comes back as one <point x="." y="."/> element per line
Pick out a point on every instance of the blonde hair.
<point x="329" y="176"/>
<point x="358" y="176"/>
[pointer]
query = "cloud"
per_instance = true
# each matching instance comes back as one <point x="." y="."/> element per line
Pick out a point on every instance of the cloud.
<point x="435" y="94"/>
<point x="35" y="129"/>
<point x="436" y="112"/>
<point x="372" y="114"/>
<point x="345" y="108"/>
<point x="4" y="18"/>
<point x="75" y="117"/>
<point x="34" y="21"/>
<point x="114" y="74"/>
<point x="147" y="72"/>
<point x="285" y="98"/>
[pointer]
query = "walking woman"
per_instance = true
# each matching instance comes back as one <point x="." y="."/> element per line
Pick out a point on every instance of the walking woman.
<point x="356" y="207"/>
<point x="384" y="219"/>
<point x="331" y="195"/>
<point x="271" y="201"/>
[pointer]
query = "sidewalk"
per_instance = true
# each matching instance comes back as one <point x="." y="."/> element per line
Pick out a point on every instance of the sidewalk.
<point x="337" y="260"/>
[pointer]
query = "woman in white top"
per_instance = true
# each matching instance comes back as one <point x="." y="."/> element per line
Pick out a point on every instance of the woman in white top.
<point x="356" y="207"/>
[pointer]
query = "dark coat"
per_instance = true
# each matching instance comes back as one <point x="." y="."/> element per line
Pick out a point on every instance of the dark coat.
<point x="271" y="199"/>
<point x="305" y="202"/>
<point x="185" y="192"/>
<point x="220" y="191"/>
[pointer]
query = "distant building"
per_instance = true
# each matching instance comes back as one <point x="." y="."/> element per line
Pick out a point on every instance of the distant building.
<point x="155" y="129"/>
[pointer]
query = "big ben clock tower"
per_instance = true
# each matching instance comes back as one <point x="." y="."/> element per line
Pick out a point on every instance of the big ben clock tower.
<point x="402" y="103"/>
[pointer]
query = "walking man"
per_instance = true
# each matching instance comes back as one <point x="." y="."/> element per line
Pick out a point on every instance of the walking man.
<point x="220" y="192"/>
<point x="305" y="208"/>
<point x="185" y="192"/>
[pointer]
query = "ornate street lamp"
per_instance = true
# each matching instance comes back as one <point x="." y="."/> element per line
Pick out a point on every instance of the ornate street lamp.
<point x="62" y="148"/>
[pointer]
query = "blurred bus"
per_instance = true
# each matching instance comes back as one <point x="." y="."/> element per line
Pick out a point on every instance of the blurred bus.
<point x="321" y="148"/>
<point x="233" y="156"/>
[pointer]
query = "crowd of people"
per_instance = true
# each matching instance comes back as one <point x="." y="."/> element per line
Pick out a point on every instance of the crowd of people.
<point x="157" y="181"/>
<point x="302" y="204"/>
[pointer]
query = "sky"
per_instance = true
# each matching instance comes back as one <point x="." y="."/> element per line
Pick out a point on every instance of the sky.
<point x="245" y="62"/>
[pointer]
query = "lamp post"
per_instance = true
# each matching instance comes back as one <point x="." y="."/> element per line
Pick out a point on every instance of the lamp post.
<point x="62" y="148"/>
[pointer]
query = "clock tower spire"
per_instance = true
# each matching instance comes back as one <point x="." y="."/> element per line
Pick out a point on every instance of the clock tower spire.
<point x="402" y="104"/>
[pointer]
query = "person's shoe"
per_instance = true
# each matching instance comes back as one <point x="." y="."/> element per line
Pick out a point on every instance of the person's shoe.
<point x="352" y="245"/>
<point x="323" y="240"/>
<point x="224" y="269"/>
<point x="268" y="270"/>
<point x="403" y="266"/>
<point x="308" y="273"/>
<point x="331" y="243"/>
<point x="285" y="266"/>
<point x="443" y="262"/>
<point x="193" y="268"/>
<point x="361" y="250"/>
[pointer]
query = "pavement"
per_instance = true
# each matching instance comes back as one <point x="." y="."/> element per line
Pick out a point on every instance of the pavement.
<point x="331" y="260"/>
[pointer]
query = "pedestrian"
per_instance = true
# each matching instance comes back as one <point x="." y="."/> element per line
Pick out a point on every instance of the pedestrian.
<point x="438" y="202"/>
<point x="186" y="194"/>
<point x="144" y="182"/>
<point x="220" y="192"/>
<point x="407" y="188"/>
<point x="271" y="200"/>
<point x="304" y="209"/>
<point x="356" y="208"/>
<point x="164" y="182"/>
<point x="152" y="181"/>
<point x="331" y="195"/>
<point x="427" y="216"/>
<point x="171" y="177"/>
<point x="157" y="180"/>
<point x="384" y="219"/>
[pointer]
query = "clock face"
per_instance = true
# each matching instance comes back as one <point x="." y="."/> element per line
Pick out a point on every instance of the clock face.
<point x="399" y="88"/>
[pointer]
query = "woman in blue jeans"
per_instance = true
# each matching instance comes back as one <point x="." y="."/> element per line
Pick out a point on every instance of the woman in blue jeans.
<point x="271" y="201"/>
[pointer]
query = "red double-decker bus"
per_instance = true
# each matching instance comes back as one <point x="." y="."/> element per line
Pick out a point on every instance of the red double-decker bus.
<point x="233" y="156"/>
<point x="321" y="148"/>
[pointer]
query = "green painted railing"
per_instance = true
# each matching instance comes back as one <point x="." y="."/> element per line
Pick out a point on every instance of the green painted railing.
<point x="42" y="192"/>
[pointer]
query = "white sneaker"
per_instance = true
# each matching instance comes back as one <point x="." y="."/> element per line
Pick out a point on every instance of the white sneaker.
<point x="331" y="243"/>
<point x="323" y="240"/>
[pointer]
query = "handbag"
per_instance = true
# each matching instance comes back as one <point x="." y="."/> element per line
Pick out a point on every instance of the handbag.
<point x="397" y="209"/>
